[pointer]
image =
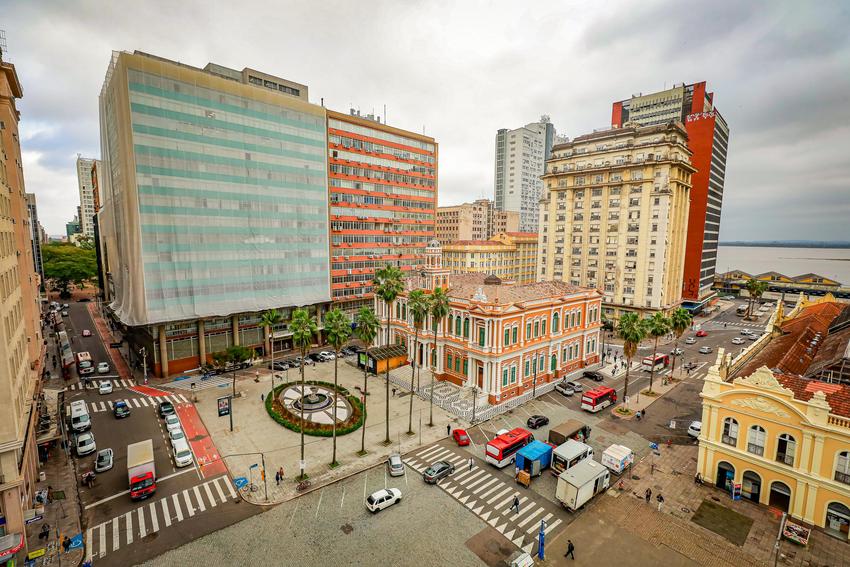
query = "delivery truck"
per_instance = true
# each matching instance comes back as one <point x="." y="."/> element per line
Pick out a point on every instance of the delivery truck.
<point x="582" y="482"/>
<point x="532" y="459"/>
<point x="141" y="473"/>
<point x="618" y="458"/>
<point x="569" y="455"/>
<point x="570" y="429"/>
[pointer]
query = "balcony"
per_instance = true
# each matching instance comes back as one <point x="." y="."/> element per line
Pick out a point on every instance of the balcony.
<point x="842" y="477"/>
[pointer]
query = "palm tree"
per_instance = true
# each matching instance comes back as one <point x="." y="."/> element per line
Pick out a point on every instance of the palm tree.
<point x="419" y="304"/>
<point x="367" y="330"/>
<point x="632" y="331"/>
<point x="439" y="311"/>
<point x="337" y="332"/>
<point x="680" y="321"/>
<point x="755" y="288"/>
<point x="304" y="328"/>
<point x="270" y="320"/>
<point x="388" y="285"/>
<point x="656" y="326"/>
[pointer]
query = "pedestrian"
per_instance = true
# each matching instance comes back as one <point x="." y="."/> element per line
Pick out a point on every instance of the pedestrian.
<point x="449" y="430"/>
<point x="262" y="397"/>
<point x="394" y="390"/>
<point x="515" y="505"/>
<point x="660" y="500"/>
<point x="471" y="462"/>
<point x="66" y="544"/>
<point x="570" y="549"/>
<point x="648" y="495"/>
<point x="281" y="473"/>
<point x="277" y="478"/>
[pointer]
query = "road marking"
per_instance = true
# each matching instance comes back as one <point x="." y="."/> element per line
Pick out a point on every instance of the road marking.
<point x="297" y="503"/>
<point x="479" y="481"/>
<point x="229" y="486"/>
<point x="128" y="526"/>
<point x="433" y="450"/>
<point x="116" y="538"/>
<point x="551" y="526"/>
<point x="189" y="507"/>
<point x="492" y="490"/>
<point x="321" y="495"/>
<point x="101" y="530"/>
<point x="531" y="517"/>
<point x="142" y="531"/>
<point x="341" y="500"/>
<point x="88" y="545"/>
<point x="178" y="510"/>
<point x="458" y="477"/>
<point x="365" y="478"/>
<point x="385" y="481"/>
<point x="535" y="527"/>
<point x="209" y="493"/>
<point x="220" y="491"/>
<point x="499" y="495"/>
<point x="483" y="486"/>
<point x="200" y="500"/>
<point x="166" y="515"/>
<point x="475" y="474"/>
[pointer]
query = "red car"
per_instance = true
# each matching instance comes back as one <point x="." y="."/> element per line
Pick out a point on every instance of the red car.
<point x="702" y="333"/>
<point x="460" y="437"/>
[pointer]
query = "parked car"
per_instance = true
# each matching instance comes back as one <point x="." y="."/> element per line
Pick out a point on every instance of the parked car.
<point x="737" y="341"/>
<point x="702" y="333"/>
<point x="690" y="341"/>
<point x="729" y="297"/>
<point x="593" y="375"/>
<point x="745" y="331"/>
<point x="536" y="421"/>
<point x="165" y="409"/>
<point x="64" y="313"/>
<point x="105" y="387"/>
<point x="315" y="357"/>
<point x="564" y="389"/>
<point x="103" y="462"/>
<point x="438" y="470"/>
<point x="65" y="306"/>
<point x="461" y="437"/>
<point x="86" y="333"/>
<point x="120" y="410"/>
<point x="326" y="356"/>
<point x="694" y="429"/>
<point x="677" y="352"/>
<point x="172" y="422"/>
<point x="103" y="368"/>
<point x="576" y="386"/>
<point x="754" y="336"/>
<point x="279" y="366"/>
<point x="395" y="466"/>
<point x="705" y="350"/>
<point x="377" y="501"/>
<point x="176" y="435"/>
<point x="85" y="444"/>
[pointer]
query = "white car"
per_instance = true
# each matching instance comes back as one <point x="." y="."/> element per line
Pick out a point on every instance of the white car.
<point x="326" y="356"/>
<point x="737" y="341"/>
<point x="105" y="387"/>
<point x="694" y="429"/>
<point x="175" y="435"/>
<point x="690" y="341"/>
<point x="172" y="422"/>
<point x="103" y="368"/>
<point x="705" y="350"/>
<point x="564" y="389"/>
<point x="395" y="465"/>
<point x="381" y="499"/>
<point x="85" y="444"/>
<point x="103" y="462"/>
<point x="745" y="331"/>
<point x="182" y="453"/>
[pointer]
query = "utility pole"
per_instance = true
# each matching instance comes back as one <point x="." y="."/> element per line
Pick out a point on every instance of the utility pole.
<point x="144" y="354"/>
<point x="474" y="398"/>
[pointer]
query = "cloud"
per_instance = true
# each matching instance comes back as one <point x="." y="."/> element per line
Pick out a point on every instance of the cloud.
<point x="462" y="70"/>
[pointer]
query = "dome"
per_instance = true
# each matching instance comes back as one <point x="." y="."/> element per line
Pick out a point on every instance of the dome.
<point x="434" y="244"/>
<point x="492" y="280"/>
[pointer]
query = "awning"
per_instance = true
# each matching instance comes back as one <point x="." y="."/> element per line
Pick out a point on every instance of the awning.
<point x="10" y="544"/>
<point x="387" y="352"/>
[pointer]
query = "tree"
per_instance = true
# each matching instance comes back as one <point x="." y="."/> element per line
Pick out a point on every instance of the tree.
<point x="418" y="304"/>
<point x="388" y="284"/>
<point x="304" y="328"/>
<point x="270" y="320"/>
<point x="230" y="360"/>
<point x="755" y="288"/>
<point x="367" y="330"/>
<point x="680" y="321"/>
<point x="66" y="264"/>
<point x="439" y="311"/>
<point x="337" y="333"/>
<point x="632" y="331"/>
<point x="656" y="326"/>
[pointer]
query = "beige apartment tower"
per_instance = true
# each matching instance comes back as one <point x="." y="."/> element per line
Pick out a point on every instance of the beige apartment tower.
<point x="478" y="220"/>
<point x="614" y="216"/>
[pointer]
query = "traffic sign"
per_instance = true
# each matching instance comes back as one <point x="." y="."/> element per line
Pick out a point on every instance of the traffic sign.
<point x="255" y="465"/>
<point x="240" y="482"/>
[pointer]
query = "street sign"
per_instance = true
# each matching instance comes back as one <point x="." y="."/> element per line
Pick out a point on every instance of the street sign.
<point x="224" y="406"/>
<point x="76" y="542"/>
<point x="672" y="424"/>
<point x="302" y="464"/>
<point x="36" y="553"/>
<point x="34" y="519"/>
<point x="115" y="345"/>
<point x="255" y="465"/>
<point x="240" y="482"/>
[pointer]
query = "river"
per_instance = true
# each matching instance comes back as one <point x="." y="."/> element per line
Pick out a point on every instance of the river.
<point x="833" y="263"/>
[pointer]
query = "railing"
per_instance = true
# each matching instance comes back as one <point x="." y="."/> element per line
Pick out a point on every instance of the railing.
<point x="755" y="449"/>
<point x="785" y="459"/>
<point x="733" y="441"/>
<point x="842" y="477"/>
<point x="839" y="421"/>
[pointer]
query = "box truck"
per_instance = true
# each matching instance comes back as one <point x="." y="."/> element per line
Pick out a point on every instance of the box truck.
<point x="570" y="429"/>
<point x="141" y="473"/>
<point x="618" y="458"/>
<point x="582" y="482"/>
<point x="569" y="455"/>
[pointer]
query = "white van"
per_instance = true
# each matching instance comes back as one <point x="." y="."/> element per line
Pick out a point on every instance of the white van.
<point x="182" y="453"/>
<point x="79" y="414"/>
<point x="569" y="454"/>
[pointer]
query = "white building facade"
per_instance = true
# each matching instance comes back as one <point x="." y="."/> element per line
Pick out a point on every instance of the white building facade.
<point x="86" y="189"/>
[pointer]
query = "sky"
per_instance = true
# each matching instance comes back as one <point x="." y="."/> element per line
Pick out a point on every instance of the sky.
<point x="461" y="70"/>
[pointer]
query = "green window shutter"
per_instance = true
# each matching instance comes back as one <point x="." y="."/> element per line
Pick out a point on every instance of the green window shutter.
<point x="554" y="361"/>
<point x="514" y="335"/>
<point x="536" y="329"/>
<point x="457" y="364"/>
<point x="527" y="366"/>
<point x="513" y="374"/>
<point x="507" y="337"/>
<point x="528" y="330"/>
<point x="504" y="377"/>
<point x="465" y="366"/>
<point x="534" y="365"/>
<point x="466" y="328"/>
<point x="481" y="337"/>
<point x="457" y="327"/>
<point x="449" y="362"/>
<point x="555" y="323"/>
<point x="578" y="318"/>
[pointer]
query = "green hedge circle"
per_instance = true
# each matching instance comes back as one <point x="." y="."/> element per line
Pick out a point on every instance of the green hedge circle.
<point x="291" y="420"/>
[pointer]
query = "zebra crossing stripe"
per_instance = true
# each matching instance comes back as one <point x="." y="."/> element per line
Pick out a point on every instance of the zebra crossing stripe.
<point x="142" y="531"/>
<point x="499" y="495"/>
<point x="475" y="474"/>
<point x="477" y="482"/>
<point x="495" y="488"/>
<point x="128" y="522"/>
<point x="552" y="526"/>
<point x="200" y="500"/>
<point x="462" y="475"/>
<point x="101" y="530"/>
<point x="166" y="515"/>
<point x="189" y="508"/>
<point x="431" y="452"/>
<point x="229" y="486"/>
<point x="545" y="518"/>
<point x="501" y="504"/>
<point x="116" y="537"/>
<point x="210" y="494"/>
<point x="88" y="545"/>
<point x="531" y="517"/>
<point x="154" y="520"/>
<point x="177" y="507"/>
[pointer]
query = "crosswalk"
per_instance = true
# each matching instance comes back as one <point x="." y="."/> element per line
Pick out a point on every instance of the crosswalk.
<point x="200" y="383"/>
<point x="720" y="325"/>
<point x="155" y="516"/>
<point x="117" y="384"/>
<point x="489" y="497"/>
<point x="107" y="405"/>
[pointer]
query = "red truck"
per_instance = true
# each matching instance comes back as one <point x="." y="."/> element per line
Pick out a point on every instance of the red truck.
<point x="140" y="469"/>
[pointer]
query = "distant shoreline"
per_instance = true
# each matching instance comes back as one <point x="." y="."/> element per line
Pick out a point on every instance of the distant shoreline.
<point x="786" y="244"/>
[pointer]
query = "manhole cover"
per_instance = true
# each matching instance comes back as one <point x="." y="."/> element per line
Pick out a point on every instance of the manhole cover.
<point x="347" y="528"/>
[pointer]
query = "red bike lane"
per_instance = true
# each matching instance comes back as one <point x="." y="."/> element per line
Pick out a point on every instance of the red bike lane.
<point x="206" y="454"/>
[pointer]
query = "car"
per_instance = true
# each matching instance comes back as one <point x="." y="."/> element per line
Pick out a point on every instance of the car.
<point x="86" y="333"/>
<point x="729" y="297"/>
<point x="502" y="432"/>
<point x="438" y="470"/>
<point x="377" y="501"/>
<point x="694" y="429"/>
<point x="737" y="341"/>
<point x="536" y="421"/>
<point x="120" y="410"/>
<point x="182" y="453"/>
<point x="315" y="357"/>
<point x="279" y="366"/>
<point x="103" y="462"/>
<point x="294" y="363"/>
<point x="702" y="333"/>
<point x="395" y="466"/>
<point x="176" y="435"/>
<point x="105" y="387"/>
<point x="65" y="306"/>
<point x="705" y="350"/>
<point x="172" y="422"/>
<point x="165" y="409"/>
<point x="677" y="352"/>
<point x="577" y="387"/>
<point x="103" y="368"/>
<point x="754" y="336"/>
<point x="564" y="389"/>
<point x="85" y="444"/>
<point x="461" y="437"/>
<point x="690" y="341"/>
<point x="745" y="331"/>
<point x="64" y="313"/>
<point x="592" y="375"/>
<point x="326" y="356"/>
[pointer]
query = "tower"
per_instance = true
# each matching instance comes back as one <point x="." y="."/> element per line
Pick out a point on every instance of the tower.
<point x="434" y="273"/>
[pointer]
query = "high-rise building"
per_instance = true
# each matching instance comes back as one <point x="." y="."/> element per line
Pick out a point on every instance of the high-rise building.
<point x="520" y="161"/>
<point x="85" y="167"/>
<point x="615" y="215"/>
<point x="383" y="190"/>
<point x="214" y="206"/>
<point x="708" y="140"/>
<point x="36" y="236"/>
<point x="479" y="220"/>
<point x="511" y="256"/>
<point x="21" y="343"/>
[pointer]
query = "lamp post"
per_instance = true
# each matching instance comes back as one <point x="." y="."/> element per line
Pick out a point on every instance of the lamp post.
<point x="534" y="378"/>
<point x="474" y="399"/>
<point x="143" y="353"/>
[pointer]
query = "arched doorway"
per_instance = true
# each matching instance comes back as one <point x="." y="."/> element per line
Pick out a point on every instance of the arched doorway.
<point x="751" y="486"/>
<point x="837" y="520"/>
<point x="780" y="496"/>
<point x="725" y="476"/>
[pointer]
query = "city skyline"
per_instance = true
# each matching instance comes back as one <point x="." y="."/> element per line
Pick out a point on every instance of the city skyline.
<point x="770" y="156"/>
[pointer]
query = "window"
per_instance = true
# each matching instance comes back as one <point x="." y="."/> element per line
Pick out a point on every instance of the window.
<point x="564" y="355"/>
<point x="536" y="329"/>
<point x="534" y="364"/>
<point x="504" y="377"/>
<point x="842" y="468"/>
<point x="457" y="364"/>
<point x="507" y="337"/>
<point x="554" y="362"/>
<point x="755" y="440"/>
<point x="481" y="336"/>
<point x="513" y="374"/>
<point x="578" y="318"/>
<point x="466" y="328"/>
<point x="555" y="323"/>
<point x="451" y="322"/>
<point x="514" y="338"/>
<point x="457" y="327"/>
<point x="466" y="367"/>
<point x="449" y="361"/>
<point x="785" y="449"/>
<point x="527" y="367"/>
<point x="528" y="330"/>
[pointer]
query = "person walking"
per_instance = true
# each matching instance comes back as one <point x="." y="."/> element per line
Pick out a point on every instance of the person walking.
<point x="448" y="430"/>
<point x="471" y="462"/>
<point x="515" y="505"/>
<point x="262" y="397"/>
<point x="648" y="495"/>
<point x="277" y="477"/>
<point x="281" y="473"/>
<point x="570" y="549"/>
<point x="66" y="544"/>
<point x="660" y="500"/>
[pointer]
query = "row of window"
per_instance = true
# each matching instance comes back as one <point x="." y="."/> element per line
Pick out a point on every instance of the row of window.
<point x="383" y="175"/>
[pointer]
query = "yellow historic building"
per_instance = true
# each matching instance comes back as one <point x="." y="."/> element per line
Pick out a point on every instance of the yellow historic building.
<point x="509" y="255"/>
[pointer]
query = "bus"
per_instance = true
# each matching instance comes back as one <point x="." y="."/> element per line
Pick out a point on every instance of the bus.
<point x="84" y="363"/>
<point x="502" y="449"/>
<point x="656" y="362"/>
<point x="598" y="399"/>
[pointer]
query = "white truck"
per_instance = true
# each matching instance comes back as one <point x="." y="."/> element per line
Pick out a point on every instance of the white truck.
<point x="577" y="485"/>
<point x="141" y="473"/>
<point x="618" y="458"/>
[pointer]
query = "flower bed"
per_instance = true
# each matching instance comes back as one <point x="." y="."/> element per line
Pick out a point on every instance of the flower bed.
<point x="292" y="420"/>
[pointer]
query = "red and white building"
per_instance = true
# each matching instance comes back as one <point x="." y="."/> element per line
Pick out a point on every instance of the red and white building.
<point x="502" y="338"/>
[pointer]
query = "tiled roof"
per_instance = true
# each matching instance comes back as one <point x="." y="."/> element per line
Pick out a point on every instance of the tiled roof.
<point x="522" y="234"/>
<point x="833" y="348"/>
<point x="837" y="395"/>
<point x="474" y="243"/>
<point x="465" y="286"/>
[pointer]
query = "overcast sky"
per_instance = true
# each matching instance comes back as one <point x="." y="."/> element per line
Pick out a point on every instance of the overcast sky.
<point x="461" y="70"/>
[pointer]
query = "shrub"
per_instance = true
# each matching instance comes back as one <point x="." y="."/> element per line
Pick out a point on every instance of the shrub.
<point x="292" y="420"/>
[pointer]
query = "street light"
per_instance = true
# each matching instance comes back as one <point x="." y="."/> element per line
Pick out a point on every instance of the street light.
<point x="143" y="353"/>
<point x="474" y="398"/>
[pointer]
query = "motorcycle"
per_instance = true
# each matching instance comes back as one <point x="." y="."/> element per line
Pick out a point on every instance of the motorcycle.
<point x="87" y="479"/>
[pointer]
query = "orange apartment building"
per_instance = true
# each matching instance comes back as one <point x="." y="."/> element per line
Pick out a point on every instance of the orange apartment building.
<point x="383" y="202"/>
<point x="502" y="338"/>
